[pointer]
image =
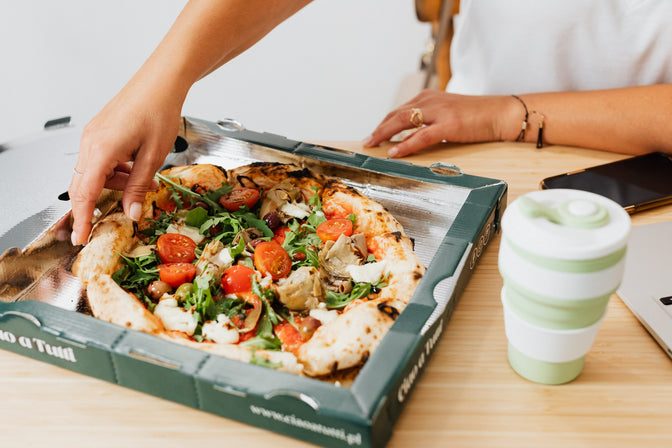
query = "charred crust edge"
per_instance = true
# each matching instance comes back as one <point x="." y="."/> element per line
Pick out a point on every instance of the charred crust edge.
<point x="391" y="311"/>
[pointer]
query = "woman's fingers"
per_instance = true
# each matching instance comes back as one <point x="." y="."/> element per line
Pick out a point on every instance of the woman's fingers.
<point x="85" y="187"/>
<point x="397" y="121"/>
<point x="140" y="180"/>
<point x="422" y="138"/>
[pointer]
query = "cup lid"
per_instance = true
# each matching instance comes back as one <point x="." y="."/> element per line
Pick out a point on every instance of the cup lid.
<point x="566" y="224"/>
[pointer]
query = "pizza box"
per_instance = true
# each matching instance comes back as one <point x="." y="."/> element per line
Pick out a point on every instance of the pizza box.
<point x="450" y="215"/>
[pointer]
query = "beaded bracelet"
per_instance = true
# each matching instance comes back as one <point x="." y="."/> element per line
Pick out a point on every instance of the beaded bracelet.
<point x="523" y="127"/>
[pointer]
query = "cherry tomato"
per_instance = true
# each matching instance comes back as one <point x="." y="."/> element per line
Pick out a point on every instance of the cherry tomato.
<point x="239" y="196"/>
<point x="176" y="248"/>
<point x="237" y="278"/>
<point x="280" y="234"/>
<point x="331" y="229"/>
<point x="177" y="273"/>
<point x="271" y="259"/>
<point x="290" y="336"/>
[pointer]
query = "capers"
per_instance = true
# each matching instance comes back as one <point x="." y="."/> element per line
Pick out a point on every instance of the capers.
<point x="182" y="291"/>
<point x="157" y="289"/>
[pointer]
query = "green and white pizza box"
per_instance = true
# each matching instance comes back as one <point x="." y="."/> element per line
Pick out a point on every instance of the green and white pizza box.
<point x="450" y="215"/>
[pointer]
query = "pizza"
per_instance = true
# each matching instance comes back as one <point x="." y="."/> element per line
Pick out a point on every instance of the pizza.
<point x="268" y="263"/>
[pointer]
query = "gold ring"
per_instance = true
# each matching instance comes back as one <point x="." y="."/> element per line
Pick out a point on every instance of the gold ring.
<point x="79" y="173"/>
<point x="416" y="117"/>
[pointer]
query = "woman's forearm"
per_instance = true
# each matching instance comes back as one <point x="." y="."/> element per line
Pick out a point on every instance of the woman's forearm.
<point x="631" y="120"/>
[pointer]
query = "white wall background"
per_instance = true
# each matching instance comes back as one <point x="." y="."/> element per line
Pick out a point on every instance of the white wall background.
<point x="331" y="72"/>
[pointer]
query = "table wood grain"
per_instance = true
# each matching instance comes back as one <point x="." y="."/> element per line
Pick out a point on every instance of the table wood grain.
<point x="468" y="396"/>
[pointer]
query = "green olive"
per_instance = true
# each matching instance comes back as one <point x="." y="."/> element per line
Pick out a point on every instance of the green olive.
<point x="182" y="291"/>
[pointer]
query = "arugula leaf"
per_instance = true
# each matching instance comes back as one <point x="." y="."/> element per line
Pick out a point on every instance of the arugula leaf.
<point x="186" y="192"/>
<point x="314" y="201"/>
<point x="249" y="219"/>
<point x="263" y="362"/>
<point x="338" y="300"/>
<point x="196" y="217"/>
<point x="227" y="227"/>
<point x="201" y="299"/>
<point x="137" y="273"/>
<point x="263" y="343"/>
<point x="302" y="238"/>
<point x="158" y="226"/>
<point x="214" y="195"/>
<point x="234" y="251"/>
<point x="229" y="224"/>
<point x="267" y="297"/>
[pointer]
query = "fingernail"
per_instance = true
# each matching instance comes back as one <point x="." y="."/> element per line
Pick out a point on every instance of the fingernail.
<point x="74" y="239"/>
<point x="367" y="141"/>
<point x="393" y="152"/>
<point x="135" y="211"/>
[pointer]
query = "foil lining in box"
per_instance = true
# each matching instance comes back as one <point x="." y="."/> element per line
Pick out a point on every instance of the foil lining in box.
<point x="40" y="270"/>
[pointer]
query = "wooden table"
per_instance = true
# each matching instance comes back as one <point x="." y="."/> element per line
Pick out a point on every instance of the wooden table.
<point x="467" y="397"/>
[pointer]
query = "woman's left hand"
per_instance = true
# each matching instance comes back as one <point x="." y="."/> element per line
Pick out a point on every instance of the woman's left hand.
<point x="440" y="116"/>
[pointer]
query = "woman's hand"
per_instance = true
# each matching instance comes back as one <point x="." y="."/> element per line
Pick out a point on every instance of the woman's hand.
<point x="440" y="116"/>
<point x="121" y="148"/>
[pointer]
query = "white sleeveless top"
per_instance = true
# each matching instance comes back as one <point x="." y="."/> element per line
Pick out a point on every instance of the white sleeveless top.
<point x="525" y="46"/>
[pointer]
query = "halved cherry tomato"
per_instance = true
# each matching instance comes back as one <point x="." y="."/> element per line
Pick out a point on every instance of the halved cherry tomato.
<point x="280" y="234"/>
<point x="271" y="259"/>
<point x="331" y="229"/>
<point x="177" y="273"/>
<point x="239" y="196"/>
<point x="237" y="278"/>
<point x="176" y="248"/>
<point x="290" y="336"/>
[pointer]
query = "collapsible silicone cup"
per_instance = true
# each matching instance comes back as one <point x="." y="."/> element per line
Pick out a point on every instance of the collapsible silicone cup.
<point x="544" y="355"/>
<point x="562" y="256"/>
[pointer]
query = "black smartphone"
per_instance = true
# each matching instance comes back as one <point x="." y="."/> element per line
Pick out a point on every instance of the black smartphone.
<point x="637" y="183"/>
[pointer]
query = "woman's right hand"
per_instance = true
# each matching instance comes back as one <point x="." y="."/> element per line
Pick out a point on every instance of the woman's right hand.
<point x="122" y="148"/>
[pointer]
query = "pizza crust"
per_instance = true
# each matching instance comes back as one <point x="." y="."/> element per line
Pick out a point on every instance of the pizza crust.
<point x="340" y="200"/>
<point x="110" y="302"/>
<point x="346" y="341"/>
<point x="111" y="236"/>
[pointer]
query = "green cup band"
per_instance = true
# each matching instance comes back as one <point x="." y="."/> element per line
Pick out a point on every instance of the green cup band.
<point x="544" y="372"/>
<point x="554" y="313"/>
<point x="571" y="266"/>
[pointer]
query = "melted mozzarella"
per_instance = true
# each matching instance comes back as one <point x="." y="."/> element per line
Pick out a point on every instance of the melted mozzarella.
<point x="323" y="315"/>
<point x="141" y="250"/>
<point x="366" y="273"/>
<point x="219" y="331"/>
<point x="295" y="209"/>
<point x="183" y="229"/>
<point x="175" y="317"/>
<point x="223" y="258"/>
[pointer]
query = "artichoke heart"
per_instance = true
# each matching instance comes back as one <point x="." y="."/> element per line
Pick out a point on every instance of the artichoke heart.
<point x="302" y="290"/>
